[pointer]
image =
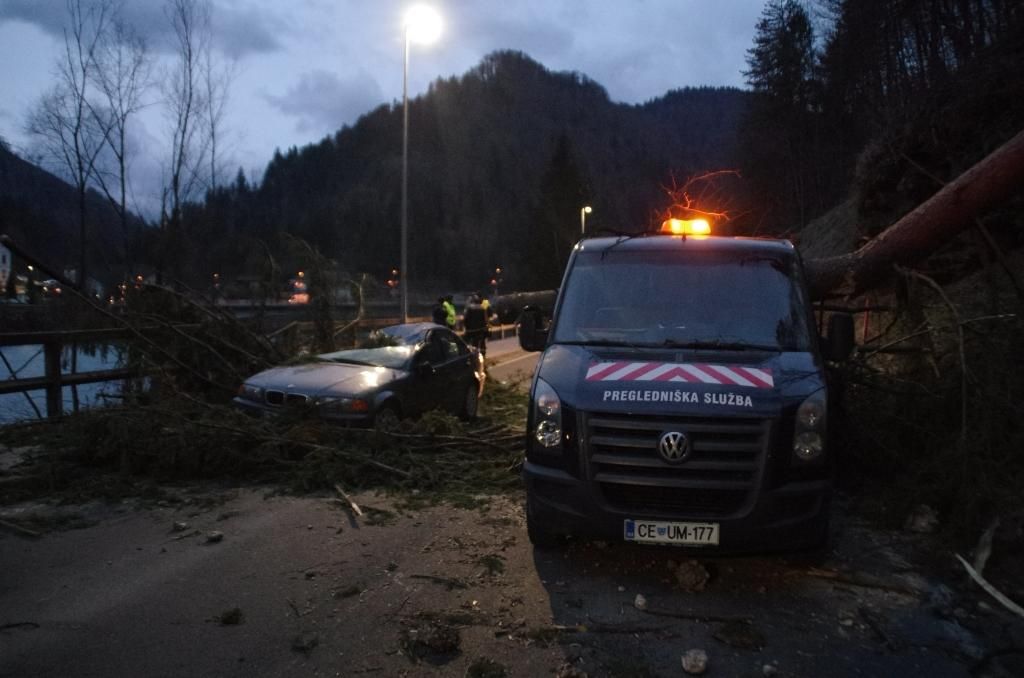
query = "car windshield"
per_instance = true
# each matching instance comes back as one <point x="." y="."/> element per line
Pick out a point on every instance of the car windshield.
<point x="684" y="299"/>
<point x="395" y="357"/>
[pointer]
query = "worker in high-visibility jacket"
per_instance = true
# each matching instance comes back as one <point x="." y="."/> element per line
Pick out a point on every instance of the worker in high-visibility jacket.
<point x="449" y="310"/>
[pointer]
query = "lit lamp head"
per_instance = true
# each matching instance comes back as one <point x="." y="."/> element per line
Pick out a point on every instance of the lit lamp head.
<point x="686" y="227"/>
<point x="422" y="24"/>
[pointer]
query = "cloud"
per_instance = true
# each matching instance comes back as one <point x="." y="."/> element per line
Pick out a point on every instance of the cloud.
<point x="242" y="32"/>
<point x="323" y="101"/>
<point x="237" y="31"/>
<point x="49" y="16"/>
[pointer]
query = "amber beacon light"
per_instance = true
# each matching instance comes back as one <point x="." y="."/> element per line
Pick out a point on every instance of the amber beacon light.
<point x="686" y="227"/>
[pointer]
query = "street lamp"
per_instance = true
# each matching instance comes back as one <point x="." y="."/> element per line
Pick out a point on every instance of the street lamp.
<point x="584" y="211"/>
<point x="422" y="25"/>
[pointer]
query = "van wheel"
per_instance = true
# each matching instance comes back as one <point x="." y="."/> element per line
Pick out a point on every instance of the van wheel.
<point x="541" y="536"/>
<point x="470" y="402"/>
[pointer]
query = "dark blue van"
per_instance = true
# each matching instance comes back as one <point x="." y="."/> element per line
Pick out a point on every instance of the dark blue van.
<point x="681" y="397"/>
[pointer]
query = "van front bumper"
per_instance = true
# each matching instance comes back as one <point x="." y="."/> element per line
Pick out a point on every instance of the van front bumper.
<point x="791" y="517"/>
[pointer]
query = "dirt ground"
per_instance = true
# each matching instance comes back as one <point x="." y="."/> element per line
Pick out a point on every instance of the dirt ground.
<point x="246" y="582"/>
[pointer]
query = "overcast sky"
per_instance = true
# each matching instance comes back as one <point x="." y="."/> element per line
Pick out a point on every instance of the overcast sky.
<point x="307" y="67"/>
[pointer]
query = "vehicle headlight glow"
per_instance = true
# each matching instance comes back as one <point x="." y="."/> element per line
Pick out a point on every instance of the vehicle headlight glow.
<point x="250" y="392"/>
<point x="342" y="405"/>
<point x="548" y="432"/>
<point x="809" y="431"/>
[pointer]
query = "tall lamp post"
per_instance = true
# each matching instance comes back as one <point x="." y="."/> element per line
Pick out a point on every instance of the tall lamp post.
<point x="422" y="25"/>
<point x="584" y="211"/>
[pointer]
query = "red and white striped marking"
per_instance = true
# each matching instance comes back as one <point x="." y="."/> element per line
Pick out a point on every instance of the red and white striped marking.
<point x="695" y="373"/>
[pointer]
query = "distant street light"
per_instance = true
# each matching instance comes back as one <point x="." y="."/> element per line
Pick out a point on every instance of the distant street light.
<point x="584" y="211"/>
<point x="422" y="25"/>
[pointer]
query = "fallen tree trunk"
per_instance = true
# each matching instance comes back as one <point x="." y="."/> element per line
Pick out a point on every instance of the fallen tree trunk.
<point x="929" y="226"/>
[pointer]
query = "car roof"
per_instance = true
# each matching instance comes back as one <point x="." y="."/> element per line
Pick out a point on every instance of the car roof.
<point x="648" y="243"/>
<point x="411" y="333"/>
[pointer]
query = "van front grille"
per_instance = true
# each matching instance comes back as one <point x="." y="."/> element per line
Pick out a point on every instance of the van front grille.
<point x="717" y="478"/>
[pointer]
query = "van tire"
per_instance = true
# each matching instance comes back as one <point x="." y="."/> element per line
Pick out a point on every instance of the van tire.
<point x="541" y="536"/>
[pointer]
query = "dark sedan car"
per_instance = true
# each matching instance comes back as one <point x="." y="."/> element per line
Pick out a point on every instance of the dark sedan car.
<point x="427" y="367"/>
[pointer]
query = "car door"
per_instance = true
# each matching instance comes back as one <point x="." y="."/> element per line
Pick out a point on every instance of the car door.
<point x="453" y="369"/>
<point x="425" y="382"/>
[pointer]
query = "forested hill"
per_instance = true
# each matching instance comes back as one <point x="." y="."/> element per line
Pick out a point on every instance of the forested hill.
<point x="40" y="212"/>
<point x="500" y="162"/>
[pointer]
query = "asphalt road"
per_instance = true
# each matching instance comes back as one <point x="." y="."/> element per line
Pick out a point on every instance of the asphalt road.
<point x="506" y="361"/>
<point x="298" y="586"/>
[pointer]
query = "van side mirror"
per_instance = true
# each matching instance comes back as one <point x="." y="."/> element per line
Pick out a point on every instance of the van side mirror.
<point x="533" y="329"/>
<point x="840" y="342"/>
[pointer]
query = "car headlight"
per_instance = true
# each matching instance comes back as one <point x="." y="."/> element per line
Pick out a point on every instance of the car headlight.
<point x="250" y="392"/>
<point x="809" y="432"/>
<point x="548" y="431"/>
<point x="342" y="405"/>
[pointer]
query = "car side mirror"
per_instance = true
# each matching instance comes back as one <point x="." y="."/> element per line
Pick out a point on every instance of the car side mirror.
<point x="424" y="369"/>
<point x="839" y="343"/>
<point x="532" y="329"/>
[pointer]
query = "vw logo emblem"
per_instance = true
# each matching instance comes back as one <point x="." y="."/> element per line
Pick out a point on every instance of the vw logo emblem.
<point x="674" y="447"/>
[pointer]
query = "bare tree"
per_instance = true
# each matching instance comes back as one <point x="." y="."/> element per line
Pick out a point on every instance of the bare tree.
<point x="71" y="128"/>
<point x="123" y="75"/>
<point x="216" y="86"/>
<point x="185" y="101"/>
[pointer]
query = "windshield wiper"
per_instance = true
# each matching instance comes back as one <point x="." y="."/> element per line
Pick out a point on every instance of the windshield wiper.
<point x="602" y="342"/>
<point x="721" y="344"/>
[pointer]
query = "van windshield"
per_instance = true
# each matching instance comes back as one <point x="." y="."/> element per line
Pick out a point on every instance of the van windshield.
<point x="684" y="299"/>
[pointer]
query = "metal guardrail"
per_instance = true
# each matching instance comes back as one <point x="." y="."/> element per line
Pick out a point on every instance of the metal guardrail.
<point x="53" y="381"/>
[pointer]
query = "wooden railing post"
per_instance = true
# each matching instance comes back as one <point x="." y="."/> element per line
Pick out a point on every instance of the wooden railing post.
<point x="54" y="391"/>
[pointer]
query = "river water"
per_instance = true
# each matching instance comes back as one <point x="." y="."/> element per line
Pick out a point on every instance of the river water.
<point x="28" y="362"/>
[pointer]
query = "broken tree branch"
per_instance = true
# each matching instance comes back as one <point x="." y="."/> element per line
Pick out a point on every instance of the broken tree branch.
<point x="351" y="504"/>
<point x="991" y="590"/>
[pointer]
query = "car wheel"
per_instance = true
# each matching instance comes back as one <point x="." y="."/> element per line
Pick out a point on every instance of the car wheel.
<point x="540" y="534"/>
<point x="387" y="419"/>
<point x="470" y="402"/>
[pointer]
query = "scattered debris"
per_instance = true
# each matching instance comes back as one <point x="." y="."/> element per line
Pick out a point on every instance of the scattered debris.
<point x="640" y="602"/>
<point x="567" y="670"/>
<point x="494" y="564"/>
<point x="740" y="635"/>
<point x="692" y="576"/>
<point x="348" y="591"/>
<point x="922" y="519"/>
<point x="486" y="668"/>
<point x="231" y="617"/>
<point x="305" y="642"/>
<point x="30" y="626"/>
<point x="354" y="507"/>
<point x="444" y="581"/>
<point x="23" y="531"/>
<point x="214" y="537"/>
<point x="695" y="662"/>
<point x="435" y="642"/>
<point x="179" y="526"/>
<point x="876" y="622"/>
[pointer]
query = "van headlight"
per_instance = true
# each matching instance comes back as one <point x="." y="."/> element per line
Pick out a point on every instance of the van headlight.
<point x="548" y="416"/>
<point x="809" y="432"/>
